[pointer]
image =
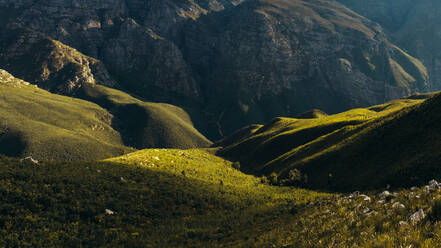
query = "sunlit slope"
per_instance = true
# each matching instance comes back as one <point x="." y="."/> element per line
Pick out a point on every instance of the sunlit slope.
<point x="333" y="151"/>
<point x="191" y="198"/>
<point x="146" y="124"/>
<point x="157" y="198"/>
<point x="43" y="125"/>
<point x="34" y="122"/>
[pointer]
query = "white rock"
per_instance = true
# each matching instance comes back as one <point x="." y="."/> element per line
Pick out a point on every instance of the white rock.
<point x="355" y="194"/>
<point x="366" y="198"/>
<point x="384" y="194"/>
<point x="417" y="217"/>
<point x="381" y="201"/>
<point x="109" y="212"/>
<point x="427" y="189"/>
<point x="433" y="185"/>
<point x="403" y="223"/>
<point x="366" y="210"/>
<point x="156" y="158"/>
<point x="398" y="205"/>
<point x="123" y="180"/>
<point x="30" y="159"/>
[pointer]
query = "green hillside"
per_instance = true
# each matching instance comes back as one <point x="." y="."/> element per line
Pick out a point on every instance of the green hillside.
<point x="145" y="124"/>
<point x="34" y="122"/>
<point x="360" y="148"/>
<point x="191" y="198"/>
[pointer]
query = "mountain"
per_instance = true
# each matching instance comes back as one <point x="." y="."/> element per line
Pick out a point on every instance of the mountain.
<point x="412" y="25"/>
<point x="227" y="63"/>
<point x="393" y="143"/>
<point x="34" y="122"/>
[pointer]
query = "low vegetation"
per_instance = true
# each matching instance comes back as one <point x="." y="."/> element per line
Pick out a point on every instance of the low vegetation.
<point x="34" y="122"/>
<point x="146" y="124"/>
<point x="342" y="151"/>
<point x="191" y="198"/>
<point x="49" y="126"/>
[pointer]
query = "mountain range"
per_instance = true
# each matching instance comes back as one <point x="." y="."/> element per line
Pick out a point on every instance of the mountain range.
<point x="227" y="63"/>
<point x="220" y="123"/>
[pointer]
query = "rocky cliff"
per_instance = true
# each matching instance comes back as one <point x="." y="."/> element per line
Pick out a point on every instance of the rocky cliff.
<point x="413" y="25"/>
<point x="229" y="63"/>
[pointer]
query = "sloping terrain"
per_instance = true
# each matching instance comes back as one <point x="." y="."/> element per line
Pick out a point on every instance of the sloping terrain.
<point x="412" y="25"/>
<point x="146" y="124"/>
<point x="394" y="143"/>
<point x="228" y="63"/>
<point x="48" y="63"/>
<point x="191" y="198"/>
<point x="34" y="122"/>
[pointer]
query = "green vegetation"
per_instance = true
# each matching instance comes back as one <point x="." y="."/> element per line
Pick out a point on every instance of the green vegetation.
<point x="360" y="148"/>
<point x="63" y="70"/>
<point x="160" y="198"/>
<point x="144" y="124"/>
<point x="191" y="198"/>
<point x="34" y="122"/>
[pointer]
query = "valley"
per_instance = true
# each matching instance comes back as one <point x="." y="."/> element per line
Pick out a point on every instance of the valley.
<point x="220" y="123"/>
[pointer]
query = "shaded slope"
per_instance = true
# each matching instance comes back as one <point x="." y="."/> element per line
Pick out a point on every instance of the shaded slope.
<point x="48" y="63"/>
<point x="281" y="58"/>
<point x="190" y="198"/>
<point x="144" y="124"/>
<point x="159" y="198"/>
<point x="413" y="25"/>
<point x="49" y="126"/>
<point x="37" y="123"/>
<point x="361" y="148"/>
<point x="232" y="63"/>
<point x="315" y="113"/>
<point x="401" y="150"/>
<point x="61" y="69"/>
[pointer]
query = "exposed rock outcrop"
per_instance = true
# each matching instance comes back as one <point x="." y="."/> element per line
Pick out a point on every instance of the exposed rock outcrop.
<point x="230" y="62"/>
<point x="413" y="25"/>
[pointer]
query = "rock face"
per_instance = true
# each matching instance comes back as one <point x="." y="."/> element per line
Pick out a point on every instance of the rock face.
<point x="48" y="63"/>
<point x="413" y="25"/>
<point x="230" y="62"/>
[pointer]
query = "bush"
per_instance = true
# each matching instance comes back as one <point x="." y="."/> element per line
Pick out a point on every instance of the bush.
<point x="236" y="165"/>
<point x="435" y="213"/>
<point x="273" y="178"/>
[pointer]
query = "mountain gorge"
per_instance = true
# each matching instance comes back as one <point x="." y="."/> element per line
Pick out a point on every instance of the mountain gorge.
<point x="227" y="63"/>
<point x="412" y="25"/>
<point x="220" y="123"/>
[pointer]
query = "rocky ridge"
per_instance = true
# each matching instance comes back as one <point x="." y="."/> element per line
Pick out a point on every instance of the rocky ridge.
<point x="229" y="63"/>
<point x="413" y="25"/>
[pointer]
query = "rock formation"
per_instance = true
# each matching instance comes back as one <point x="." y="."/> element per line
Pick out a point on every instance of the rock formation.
<point x="229" y="63"/>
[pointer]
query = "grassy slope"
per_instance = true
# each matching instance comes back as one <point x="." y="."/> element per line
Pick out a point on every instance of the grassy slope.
<point x="48" y="126"/>
<point x="144" y="124"/>
<point x="61" y="69"/>
<point x="401" y="149"/>
<point x="156" y="205"/>
<point x="285" y="143"/>
<point x="191" y="198"/>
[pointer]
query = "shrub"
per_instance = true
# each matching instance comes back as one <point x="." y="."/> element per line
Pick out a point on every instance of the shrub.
<point x="236" y="165"/>
<point x="435" y="213"/>
<point x="273" y="178"/>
